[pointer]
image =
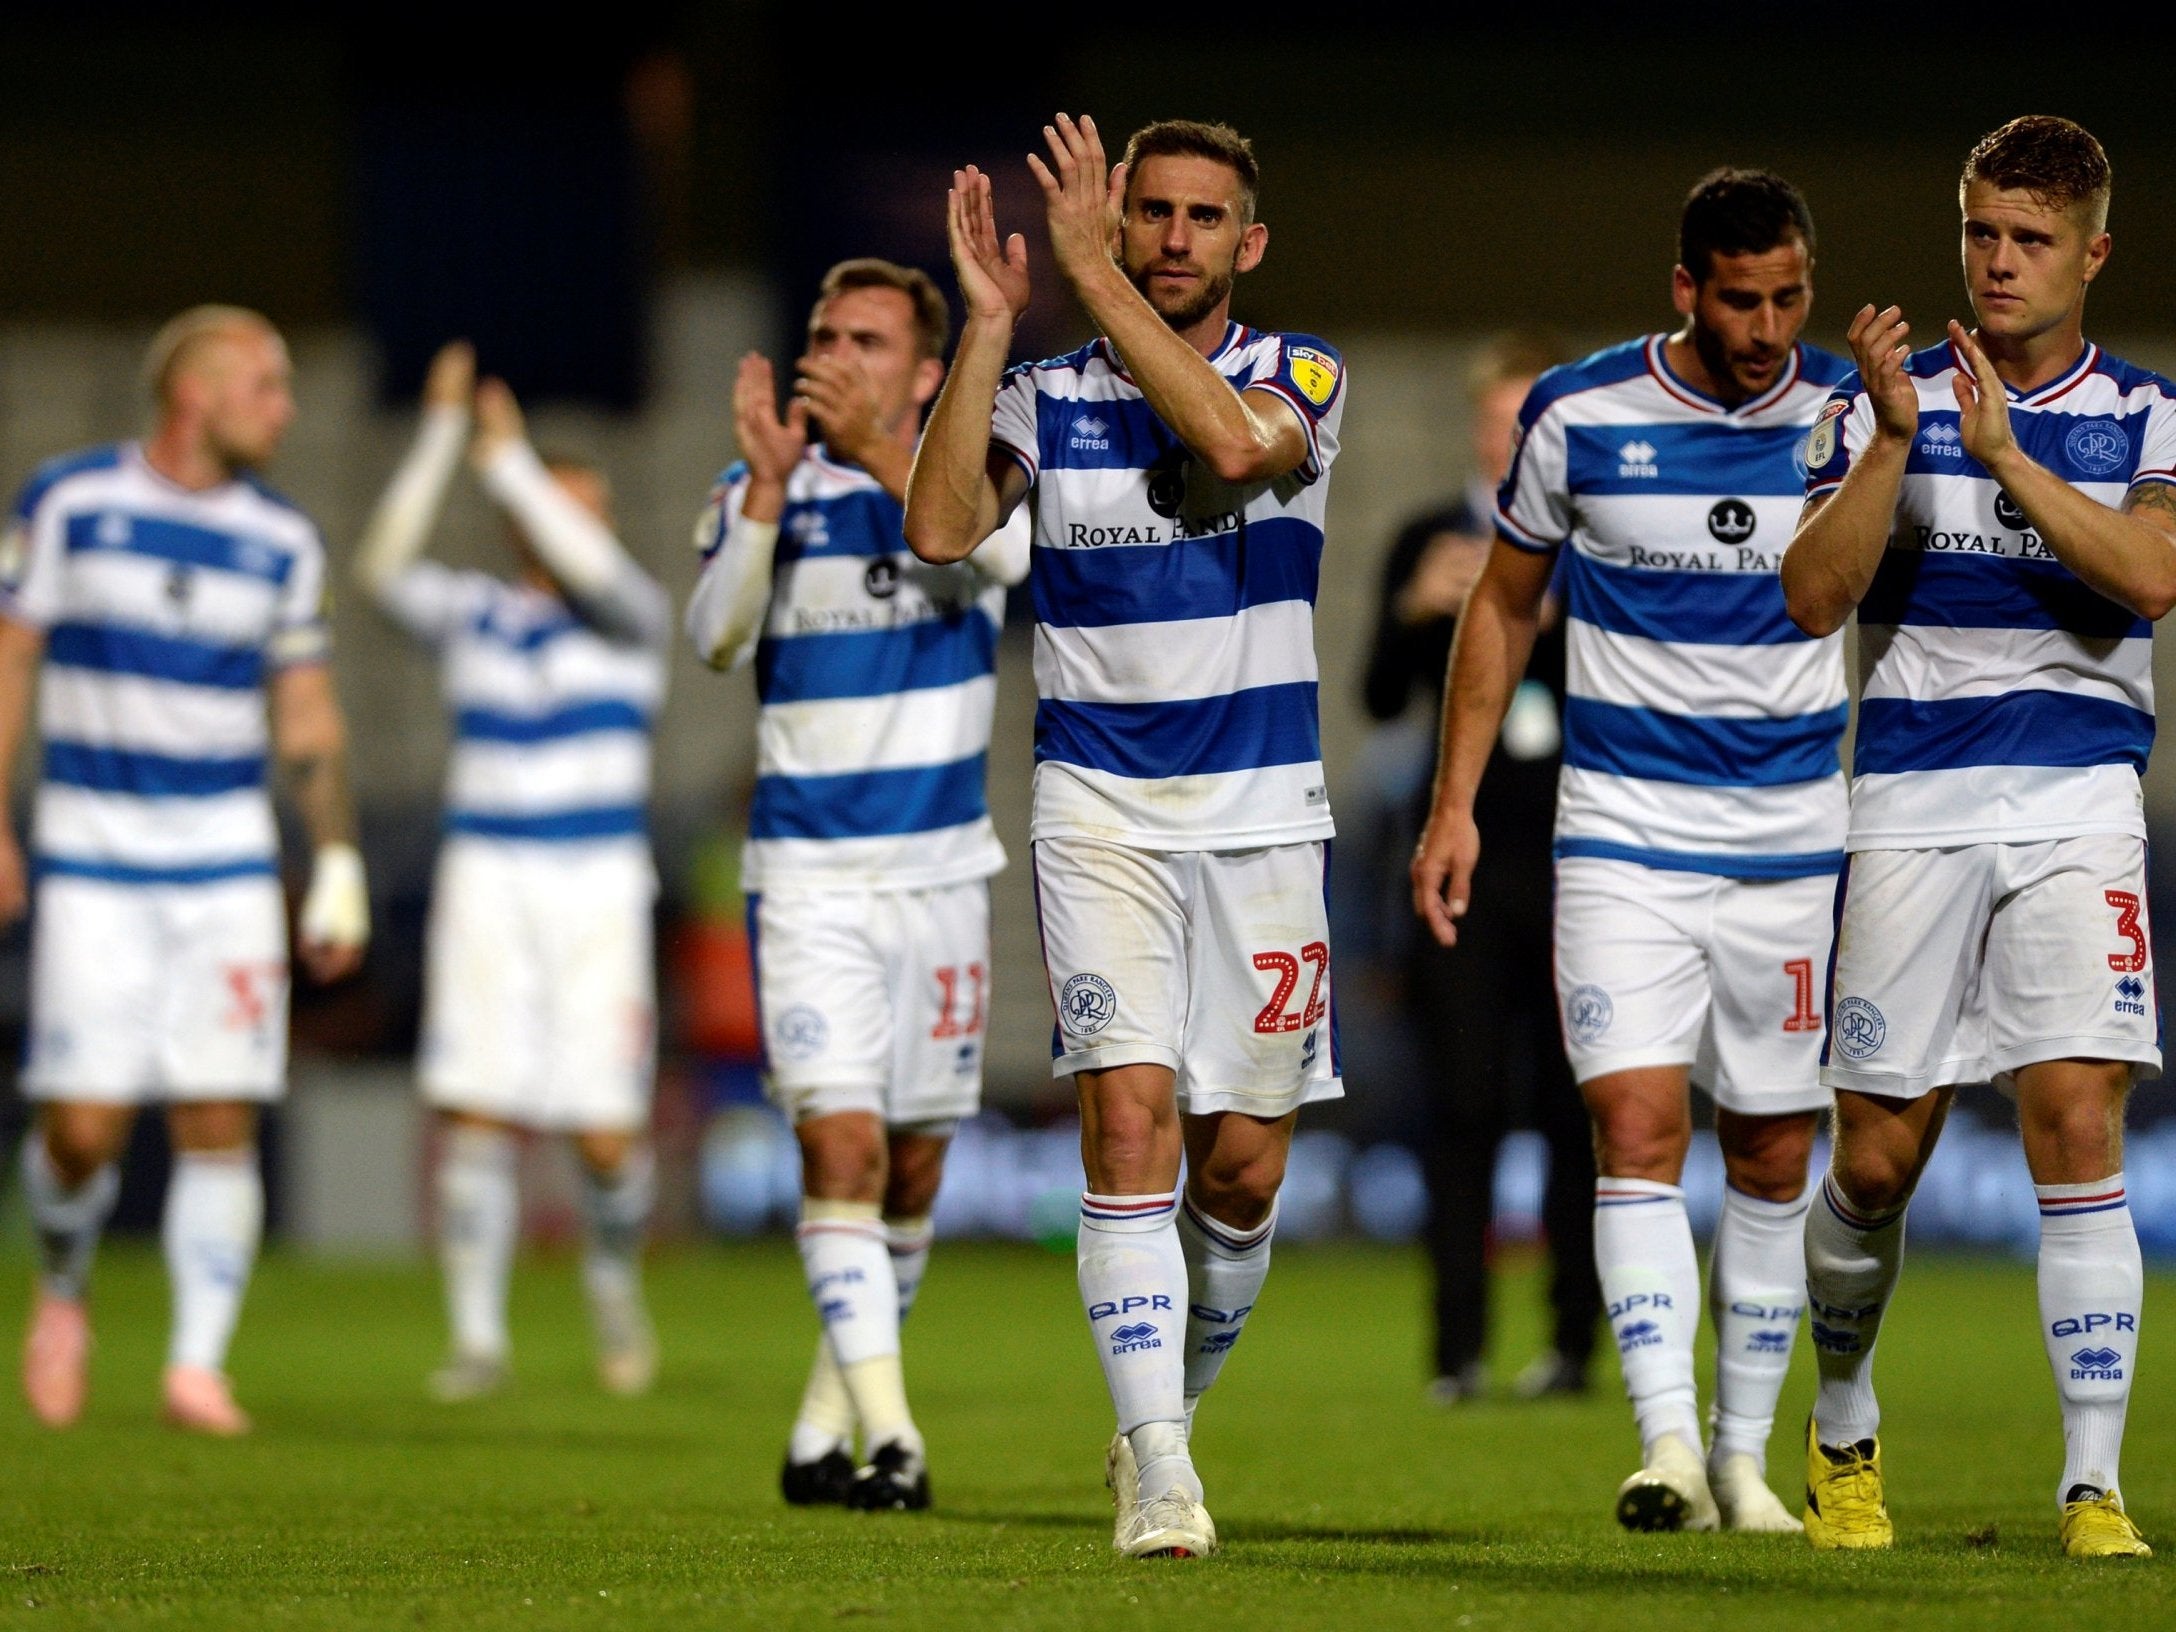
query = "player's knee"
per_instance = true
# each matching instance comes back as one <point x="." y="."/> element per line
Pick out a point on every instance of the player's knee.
<point x="841" y="1161"/>
<point x="1239" y="1188"/>
<point x="81" y="1139"/>
<point x="1634" y="1141"/>
<point x="1874" y="1176"/>
<point x="1766" y="1157"/>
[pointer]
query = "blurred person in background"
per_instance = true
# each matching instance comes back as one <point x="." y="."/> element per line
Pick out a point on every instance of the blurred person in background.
<point x="1700" y="816"/>
<point x="1485" y="1010"/>
<point x="870" y="846"/>
<point x="539" y="986"/>
<point x="169" y="610"/>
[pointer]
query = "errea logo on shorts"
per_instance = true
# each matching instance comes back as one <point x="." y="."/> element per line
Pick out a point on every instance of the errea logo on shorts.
<point x="1860" y="1029"/>
<point x="1086" y="1004"/>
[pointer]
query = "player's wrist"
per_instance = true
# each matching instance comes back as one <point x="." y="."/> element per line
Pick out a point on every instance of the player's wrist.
<point x="336" y="911"/>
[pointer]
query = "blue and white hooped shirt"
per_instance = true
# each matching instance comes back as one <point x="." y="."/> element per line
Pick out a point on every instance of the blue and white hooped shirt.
<point x="552" y="714"/>
<point x="164" y="611"/>
<point x="1701" y="726"/>
<point x="1174" y="639"/>
<point x="877" y="675"/>
<point x="2001" y="698"/>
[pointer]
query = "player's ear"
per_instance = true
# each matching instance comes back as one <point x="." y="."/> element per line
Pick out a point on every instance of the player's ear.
<point x="1253" y="245"/>
<point x="2096" y="254"/>
<point x="928" y="379"/>
<point x="1684" y="291"/>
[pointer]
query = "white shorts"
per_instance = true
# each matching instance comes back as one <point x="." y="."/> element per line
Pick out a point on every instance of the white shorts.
<point x="874" y="1001"/>
<point x="158" y="992"/>
<point x="1657" y="967"/>
<point x="1961" y="965"/>
<point x="1215" y="963"/>
<point x="539" y="991"/>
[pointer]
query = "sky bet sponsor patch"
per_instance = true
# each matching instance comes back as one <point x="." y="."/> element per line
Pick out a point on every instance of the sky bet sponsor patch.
<point x="1314" y="372"/>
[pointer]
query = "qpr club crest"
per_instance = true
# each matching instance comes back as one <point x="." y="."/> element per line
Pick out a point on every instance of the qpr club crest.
<point x="1086" y="1004"/>
<point x="1860" y="1029"/>
<point x="2098" y="447"/>
<point x="1588" y="1012"/>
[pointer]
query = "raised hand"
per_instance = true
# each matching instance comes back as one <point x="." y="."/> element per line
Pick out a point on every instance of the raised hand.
<point x="499" y="423"/>
<point x="771" y="444"/>
<point x="1878" y="346"/>
<point x="1083" y="198"/>
<point x="993" y="276"/>
<point x="451" y="382"/>
<point x="1983" y="406"/>
<point x="840" y="398"/>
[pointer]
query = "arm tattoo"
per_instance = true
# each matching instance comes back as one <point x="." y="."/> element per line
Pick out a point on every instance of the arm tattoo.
<point x="2159" y="497"/>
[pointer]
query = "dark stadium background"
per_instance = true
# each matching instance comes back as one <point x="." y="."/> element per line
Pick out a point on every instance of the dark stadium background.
<point x="613" y="206"/>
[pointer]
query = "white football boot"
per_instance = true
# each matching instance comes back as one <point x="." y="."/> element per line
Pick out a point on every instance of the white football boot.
<point x="1744" y="1501"/>
<point x="1670" y="1493"/>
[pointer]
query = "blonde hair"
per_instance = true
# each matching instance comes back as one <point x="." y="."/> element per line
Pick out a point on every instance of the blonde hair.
<point x="179" y="340"/>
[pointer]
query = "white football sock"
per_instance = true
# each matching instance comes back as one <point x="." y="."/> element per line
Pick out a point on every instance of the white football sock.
<point x="214" y="1219"/>
<point x="1651" y="1283"/>
<point x="908" y="1240"/>
<point x="68" y="1222"/>
<point x="1853" y="1258"/>
<point x="1756" y="1292"/>
<point x="826" y="1419"/>
<point x="1133" y="1282"/>
<point x="1225" y="1268"/>
<point x="479" y="1217"/>
<point x="617" y="1207"/>
<point x="849" y="1270"/>
<point x="2091" y="1286"/>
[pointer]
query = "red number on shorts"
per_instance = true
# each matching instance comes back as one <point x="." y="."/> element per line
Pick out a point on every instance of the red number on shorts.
<point x="2126" y="905"/>
<point x="251" y="986"/>
<point x="1287" y="970"/>
<point x="948" y="994"/>
<point x="1802" y="1016"/>
<point x="1275" y="1017"/>
<point x="1316" y="953"/>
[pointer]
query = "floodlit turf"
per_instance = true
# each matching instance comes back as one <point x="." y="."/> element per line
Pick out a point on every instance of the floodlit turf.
<point x="1345" y="1500"/>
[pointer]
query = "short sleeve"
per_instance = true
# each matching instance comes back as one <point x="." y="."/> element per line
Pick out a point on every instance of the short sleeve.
<point x="430" y="600"/>
<point x="1534" y="505"/>
<point x="32" y="559"/>
<point x="1013" y="420"/>
<point x="300" y="631"/>
<point x="1309" y="375"/>
<point x="2157" y="454"/>
<point x="1839" y="435"/>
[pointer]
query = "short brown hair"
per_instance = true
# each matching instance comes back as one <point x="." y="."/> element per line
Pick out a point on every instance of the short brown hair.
<point x="2054" y="160"/>
<point x="1197" y="139"/>
<point x="181" y="337"/>
<point x="932" y="318"/>
<point x="1521" y="354"/>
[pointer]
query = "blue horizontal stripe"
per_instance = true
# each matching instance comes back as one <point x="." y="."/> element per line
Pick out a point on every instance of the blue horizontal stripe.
<point x="1703" y="751"/>
<point x="2012" y="728"/>
<point x="869" y="804"/>
<point x="867" y="521"/>
<point x="552" y="827"/>
<point x="154" y="776"/>
<point x="1241" y="731"/>
<point x="2045" y="435"/>
<point x="1073" y="434"/>
<point x="1714" y="459"/>
<point x="121" y="532"/>
<point x="510" y="630"/>
<point x="1690" y="607"/>
<point x="1992" y="592"/>
<point x="573" y="720"/>
<point x="1279" y="559"/>
<point x="115" y="872"/>
<point x="2080" y="1212"/>
<point x="113" y="649"/>
<point x="941" y="651"/>
<point x="1717" y="863"/>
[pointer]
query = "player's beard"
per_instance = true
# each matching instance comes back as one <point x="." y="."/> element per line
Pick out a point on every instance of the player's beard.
<point x="1721" y="366"/>
<point x="1215" y="289"/>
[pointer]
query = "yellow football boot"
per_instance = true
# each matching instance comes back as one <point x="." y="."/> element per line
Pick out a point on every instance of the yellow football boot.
<point x="1844" y="1502"/>
<point x="2095" y="1526"/>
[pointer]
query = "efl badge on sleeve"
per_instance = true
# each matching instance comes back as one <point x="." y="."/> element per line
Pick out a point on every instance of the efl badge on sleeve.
<point x="1821" y="445"/>
<point x="1314" y="372"/>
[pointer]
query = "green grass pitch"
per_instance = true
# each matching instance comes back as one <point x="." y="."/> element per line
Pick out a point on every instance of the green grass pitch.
<point x="1345" y="1500"/>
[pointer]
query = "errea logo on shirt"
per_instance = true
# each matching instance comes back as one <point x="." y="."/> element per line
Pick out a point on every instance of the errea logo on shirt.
<point x="113" y="529"/>
<point x="1091" y="434"/>
<point x="1943" y="441"/>
<point x="1639" y="459"/>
